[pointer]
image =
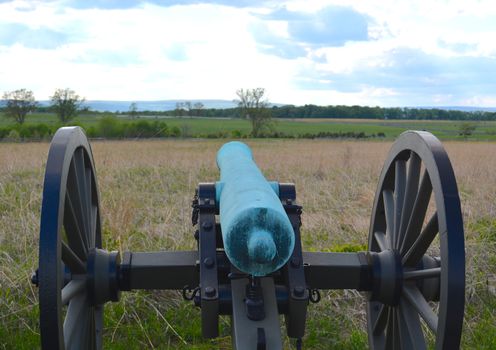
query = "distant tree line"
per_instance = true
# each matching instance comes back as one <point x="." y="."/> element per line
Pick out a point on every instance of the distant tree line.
<point x="351" y="112"/>
<point x="251" y="104"/>
<point x="365" y="112"/>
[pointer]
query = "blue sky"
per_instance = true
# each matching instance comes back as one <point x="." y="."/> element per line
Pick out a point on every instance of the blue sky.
<point x="387" y="52"/>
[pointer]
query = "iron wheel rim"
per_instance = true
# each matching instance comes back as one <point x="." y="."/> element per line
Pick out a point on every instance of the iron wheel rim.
<point x="70" y="227"/>
<point x="399" y="326"/>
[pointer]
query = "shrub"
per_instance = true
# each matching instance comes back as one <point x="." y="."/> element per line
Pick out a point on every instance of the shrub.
<point x="236" y="134"/>
<point x="175" y="132"/>
<point x="109" y="126"/>
<point x="14" y="135"/>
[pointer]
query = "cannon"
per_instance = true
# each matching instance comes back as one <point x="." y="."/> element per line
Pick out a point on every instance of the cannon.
<point x="249" y="261"/>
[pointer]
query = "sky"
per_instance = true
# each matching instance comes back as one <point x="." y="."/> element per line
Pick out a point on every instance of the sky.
<point x="336" y="52"/>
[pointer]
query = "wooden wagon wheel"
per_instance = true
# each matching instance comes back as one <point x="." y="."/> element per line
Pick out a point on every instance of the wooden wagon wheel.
<point x="417" y="248"/>
<point x="70" y="235"/>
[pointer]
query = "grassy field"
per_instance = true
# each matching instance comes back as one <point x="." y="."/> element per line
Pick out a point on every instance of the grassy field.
<point x="205" y="126"/>
<point x="146" y="189"/>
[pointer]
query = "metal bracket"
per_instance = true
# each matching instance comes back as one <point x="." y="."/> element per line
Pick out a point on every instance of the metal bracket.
<point x="293" y="271"/>
<point x="209" y="285"/>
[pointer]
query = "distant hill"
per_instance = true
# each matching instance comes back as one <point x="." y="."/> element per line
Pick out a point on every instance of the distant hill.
<point x="460" y="108"/>
<point x="160" y="105"/>
<point x="169" y="105"/>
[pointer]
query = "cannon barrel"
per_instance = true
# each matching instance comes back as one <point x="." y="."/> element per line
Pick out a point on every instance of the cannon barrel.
<point x="258" y="236"/>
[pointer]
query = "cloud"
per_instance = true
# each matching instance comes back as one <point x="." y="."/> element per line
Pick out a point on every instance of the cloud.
<point x="300" y="51"/>
<point x="276" y="45"/>
<point x="332" y="26"/>
<point x="177" y="52"/>
<point x="414" y="75"/>
<point x="109" y="58"/>
<point x="457" y="47"/>
<point x="38" y="38"/>
<point x="103" y="4"/>
<point x="129" y="4"/>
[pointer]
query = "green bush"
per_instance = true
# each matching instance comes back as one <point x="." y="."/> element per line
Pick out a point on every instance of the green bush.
<point x="236" y="134"/>
<point x="4" y="132"/>
<point x="175" y="132"/>
<point x="145" y="129"/>
<point x="109" y="127"/>
<point x="14" y="135"/>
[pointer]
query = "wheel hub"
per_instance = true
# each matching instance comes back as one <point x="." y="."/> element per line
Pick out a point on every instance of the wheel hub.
<point x="102" y="279"/>
<point x="387" y="275"/>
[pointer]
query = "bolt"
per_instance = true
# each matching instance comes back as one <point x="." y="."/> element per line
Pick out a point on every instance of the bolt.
<point x="299" y="291"/>
<point x="207" y="226"/>
<point x="34" y="278"/>
<point x="207" y="200"/>
<point x="289" y="201"/>
<point x="209" y="262"/>
<point x="295" y="261"/>
<point x="209" y="291"/>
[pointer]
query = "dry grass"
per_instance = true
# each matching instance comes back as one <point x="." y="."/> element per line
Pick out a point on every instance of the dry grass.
<point x="146" y="189"/>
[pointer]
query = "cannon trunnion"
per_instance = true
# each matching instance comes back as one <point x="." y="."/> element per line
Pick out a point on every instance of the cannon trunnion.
<point x="412" y="274"/>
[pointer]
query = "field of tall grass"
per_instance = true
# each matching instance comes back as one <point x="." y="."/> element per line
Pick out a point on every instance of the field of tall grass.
<point x="146" y="189"/>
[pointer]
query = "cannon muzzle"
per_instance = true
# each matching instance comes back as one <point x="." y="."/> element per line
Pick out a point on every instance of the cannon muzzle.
<point x="258" y="236"/>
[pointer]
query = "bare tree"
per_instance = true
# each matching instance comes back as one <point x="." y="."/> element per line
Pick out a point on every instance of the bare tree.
<point x="18" y="104"/>
<point x="133" y="110"/>
<point x="254" y="107"/>
<point x="197" y="108"/>
<point x="66" y="104"/>
<point x="187" y="107"/>
<point x="179" y="109"/>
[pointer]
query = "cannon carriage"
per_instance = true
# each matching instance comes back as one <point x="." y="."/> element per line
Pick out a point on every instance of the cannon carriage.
<point x="249" y="261"/>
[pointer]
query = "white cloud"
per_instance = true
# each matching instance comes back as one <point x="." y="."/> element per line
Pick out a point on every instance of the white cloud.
<point x="210" y="50"/>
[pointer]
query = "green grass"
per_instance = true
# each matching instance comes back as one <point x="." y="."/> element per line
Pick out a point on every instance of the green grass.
<point x="485" y="130"/>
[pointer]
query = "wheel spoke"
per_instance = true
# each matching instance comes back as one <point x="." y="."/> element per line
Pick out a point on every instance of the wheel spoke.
<point x="92" y="208"/>
<point x="98" y="326"/>
<point x="72" y="260"/>
<point x="73" y="288"/>
<point x="381" y="320"/>
<point x="387" y="196"/>
<point x="418" y="213"/>
<point x="422" y="243"/>
<point x="91" y="335"/>
<point x="396" y="329"/>
<point x="73" y="229"/>
<point x="94" y="218"/>
<point x="412" y="186"/>
<point x="420" y="274"/>
<point x="76" y="188"/>
<point x="411" y="334"/>
<point x="390" y="330"/>
<point x="418" y="302"/>
<point x="381" y="240"/>
<point x="399" y="197"/>
<point x="76" y="323"/>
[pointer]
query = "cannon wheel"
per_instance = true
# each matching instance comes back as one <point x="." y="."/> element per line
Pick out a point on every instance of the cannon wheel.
<point x="423" y="301"/>
<point x="69" y="230"/>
